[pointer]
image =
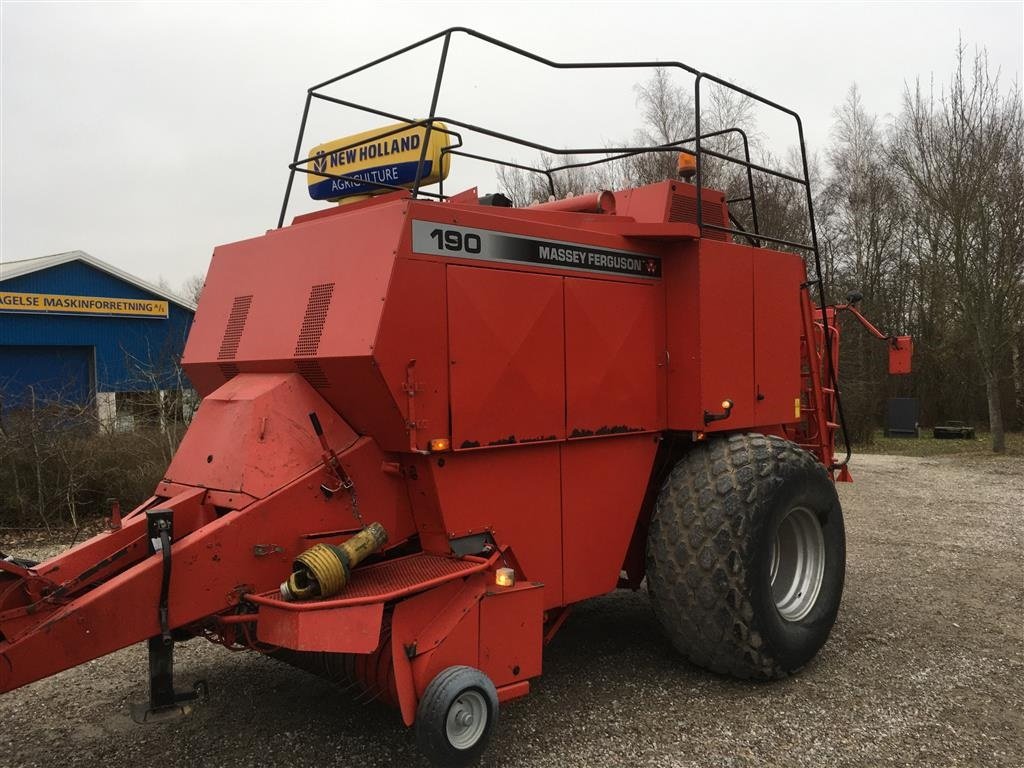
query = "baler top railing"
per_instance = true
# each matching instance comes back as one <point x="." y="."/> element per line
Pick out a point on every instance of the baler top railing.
<point x="609" y="154"/>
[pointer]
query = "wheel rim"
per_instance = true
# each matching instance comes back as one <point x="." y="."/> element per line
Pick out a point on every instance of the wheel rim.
<point x="797" y="563"/>
<point x="467" y="720"/>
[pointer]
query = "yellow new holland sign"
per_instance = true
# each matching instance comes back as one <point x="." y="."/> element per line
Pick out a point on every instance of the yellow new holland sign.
<point x="52" y="303"/>
<point x="388" y="156"/>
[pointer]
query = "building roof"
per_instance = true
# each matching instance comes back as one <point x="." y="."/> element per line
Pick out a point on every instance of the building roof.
<point x="12" y="269"/>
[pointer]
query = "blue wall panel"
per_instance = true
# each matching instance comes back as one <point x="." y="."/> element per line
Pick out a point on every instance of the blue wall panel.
<point x="50" y="373"/>
<point x="129" y="351"/>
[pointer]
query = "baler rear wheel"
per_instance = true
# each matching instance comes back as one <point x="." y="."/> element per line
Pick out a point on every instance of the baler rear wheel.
<point x="746" y="556"/>
<point x="456" y="716"/>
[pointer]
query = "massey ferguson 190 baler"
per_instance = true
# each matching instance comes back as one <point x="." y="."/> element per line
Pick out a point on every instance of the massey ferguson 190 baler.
<point x="431" y="424"/>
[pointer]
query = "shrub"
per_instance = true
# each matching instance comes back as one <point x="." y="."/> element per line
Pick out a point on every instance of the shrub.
<point x="59" y="466"/>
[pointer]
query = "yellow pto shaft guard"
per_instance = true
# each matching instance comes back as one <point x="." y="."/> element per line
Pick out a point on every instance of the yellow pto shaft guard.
<point x="324" y="570"/>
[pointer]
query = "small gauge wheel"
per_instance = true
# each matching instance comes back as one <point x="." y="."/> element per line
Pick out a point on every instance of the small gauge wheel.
<point x="456" y="716"/>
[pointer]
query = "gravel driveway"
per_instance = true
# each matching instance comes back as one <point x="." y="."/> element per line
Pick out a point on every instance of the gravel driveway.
<point x="924" y="668"/>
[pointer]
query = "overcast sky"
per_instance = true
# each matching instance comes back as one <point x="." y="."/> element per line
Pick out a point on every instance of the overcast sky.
<point x="146" y="134"/>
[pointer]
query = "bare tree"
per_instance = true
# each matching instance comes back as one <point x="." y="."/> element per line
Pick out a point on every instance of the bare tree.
<point x="668" y="124"/>
<point x="668" y="119"/>
<point x="525" y="187"/>
<point x="962" y="153"/>
<point x="863" y="234"/>
<point x="192" y="288"/>
<point x="1018" y="373"/>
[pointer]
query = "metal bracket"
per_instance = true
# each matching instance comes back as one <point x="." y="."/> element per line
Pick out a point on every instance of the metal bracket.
<point x="726" y="412"/>
<point x="160" y="533"/>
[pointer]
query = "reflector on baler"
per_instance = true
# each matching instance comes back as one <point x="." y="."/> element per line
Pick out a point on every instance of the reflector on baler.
<point x="377" y="161"/>
<point x="901" y="350"/>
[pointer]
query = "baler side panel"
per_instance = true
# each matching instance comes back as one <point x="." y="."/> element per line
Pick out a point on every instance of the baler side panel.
<point x="425" y="503"/>
<point x="448" y="646"/>
<point x="726" y="308"/>
<point x="507" y="350"/>
<point x="614" y="357"/>
<point x="603" y="486"/>
<point x="681" y="284"/>
<point x="710" y="325"/>
<point x="412" y="348"/>
<point x="515" y="493"/>
<point x="356" y="387"/>
<point x="308" y="299"/>
<point x="422" y="622"/>
<point x="512" y="633"/>
<point x="777" y="330"/>
<point x="264" y="414"/>
<point x="356" y="629"/>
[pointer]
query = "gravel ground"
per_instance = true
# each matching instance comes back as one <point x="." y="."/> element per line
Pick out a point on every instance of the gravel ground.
<point x="924" y="668"/>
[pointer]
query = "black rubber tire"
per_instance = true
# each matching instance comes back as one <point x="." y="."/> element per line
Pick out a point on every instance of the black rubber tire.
<point x="709" y="555"/>
<point x="432" y="714"/>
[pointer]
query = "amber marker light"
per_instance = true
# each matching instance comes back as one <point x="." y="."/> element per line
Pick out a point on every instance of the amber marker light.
<point x="439" y="444"/>
<point x="686" y="165"/>
<point x="505" y="577"/>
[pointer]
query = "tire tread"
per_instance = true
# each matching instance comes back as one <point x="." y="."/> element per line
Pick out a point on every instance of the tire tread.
<point x="697" y="550"/>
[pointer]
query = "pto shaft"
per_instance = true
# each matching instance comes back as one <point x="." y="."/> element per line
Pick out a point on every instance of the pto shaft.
<point x="324" y="570"/>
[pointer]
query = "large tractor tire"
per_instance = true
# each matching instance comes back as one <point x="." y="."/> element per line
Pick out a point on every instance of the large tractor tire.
<point x="746" y="556"/>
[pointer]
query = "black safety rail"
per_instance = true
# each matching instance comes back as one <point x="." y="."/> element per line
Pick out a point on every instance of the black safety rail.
<point x="606" y="154"/>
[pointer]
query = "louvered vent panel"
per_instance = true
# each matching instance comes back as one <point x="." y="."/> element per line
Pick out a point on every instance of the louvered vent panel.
<point x="233" y="330"/>
<point x="313" y="373"/>
<point x="228" y="370"/>
<point x="684" y="209"/>
<point x="713" y="215"/>
<point x="313" y="321"/>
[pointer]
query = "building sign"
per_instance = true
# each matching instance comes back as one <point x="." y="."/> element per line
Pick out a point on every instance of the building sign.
<point x="386" y="156"/>
<point x="51" y="303"/>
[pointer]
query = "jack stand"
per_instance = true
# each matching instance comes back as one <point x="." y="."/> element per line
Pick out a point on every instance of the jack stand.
<point x="165" y="703"/>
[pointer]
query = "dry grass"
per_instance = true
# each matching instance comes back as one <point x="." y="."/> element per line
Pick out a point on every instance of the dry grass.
<point x="926" y="445"/>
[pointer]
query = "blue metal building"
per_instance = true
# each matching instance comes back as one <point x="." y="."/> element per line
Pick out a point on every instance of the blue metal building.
<point x="76" y="328"/>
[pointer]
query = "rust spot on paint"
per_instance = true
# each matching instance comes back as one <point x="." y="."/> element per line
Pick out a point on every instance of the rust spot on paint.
<point x="616" y="429"/>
